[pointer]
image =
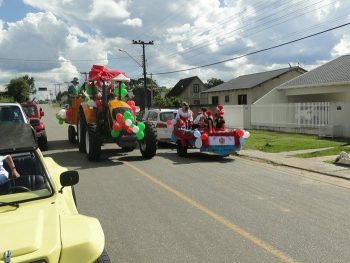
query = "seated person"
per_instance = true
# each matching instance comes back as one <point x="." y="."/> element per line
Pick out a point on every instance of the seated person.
<point x="209" y="122"/>
<point x="185" y="115"/>
<point x="219" y="122"/>
<point x="199" y="118"/>
<point x="4" y="175"/>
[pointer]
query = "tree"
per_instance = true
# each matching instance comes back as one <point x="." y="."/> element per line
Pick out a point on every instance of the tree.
<point x="138" y="89"/>
<point x="213" y="82"/>
<point x="18" y="89"/>
<point x="167" y="102"/>
<point x="31" y="83"/>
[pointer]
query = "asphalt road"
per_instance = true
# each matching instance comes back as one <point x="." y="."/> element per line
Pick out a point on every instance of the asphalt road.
<point x="206" y="209"/>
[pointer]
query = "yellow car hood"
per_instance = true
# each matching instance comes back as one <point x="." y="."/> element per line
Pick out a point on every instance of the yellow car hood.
<point x="33" y="228"/>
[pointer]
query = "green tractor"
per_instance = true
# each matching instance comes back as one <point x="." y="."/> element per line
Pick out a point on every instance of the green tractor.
<point x="103" y="117"/>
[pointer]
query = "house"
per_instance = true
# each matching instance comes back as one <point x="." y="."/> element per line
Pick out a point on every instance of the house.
<point x="317" y="102"/>
<point x="190" y="90"/>
<point x="247" y="89"/>
<point x="329" y="82"/>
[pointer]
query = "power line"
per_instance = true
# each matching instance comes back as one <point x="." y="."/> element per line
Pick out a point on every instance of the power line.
<point x="254" y="52"/>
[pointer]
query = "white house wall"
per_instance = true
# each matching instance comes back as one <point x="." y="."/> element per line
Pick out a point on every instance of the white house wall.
<point x="189" y="96"/>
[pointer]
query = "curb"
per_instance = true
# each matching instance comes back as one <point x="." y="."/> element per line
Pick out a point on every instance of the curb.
<point x="291" y="166"/>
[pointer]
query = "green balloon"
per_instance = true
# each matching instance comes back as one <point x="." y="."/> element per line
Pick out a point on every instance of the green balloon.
<point x="60" y="122"/>
<point x="124" y="92"/>
<point x="127" y="115"/>
<point x="140" y="135"/>
<point x="141" y="126"/>
<point x="89" y="91"/>
<point x="115" y="134"/>
<point x="86" y="99"/>
<point x="116" y="91"/>
<point x="122" y="86"/>
<point x="58" y="117"/>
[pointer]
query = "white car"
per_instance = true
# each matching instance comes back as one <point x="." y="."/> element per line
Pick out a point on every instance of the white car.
<point x="159" y="118"/>
<point x="12" y="112"/>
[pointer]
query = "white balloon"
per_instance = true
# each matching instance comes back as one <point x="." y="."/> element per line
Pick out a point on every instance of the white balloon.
<point x="197" y="134"/>
<point x="135" y="129"/>
<point x="198" y="143"/>
<point x="62" y="113"/>
<point x="246" y="134"/>
<point x="128" y="122"/>
<point x="91" y="103"/>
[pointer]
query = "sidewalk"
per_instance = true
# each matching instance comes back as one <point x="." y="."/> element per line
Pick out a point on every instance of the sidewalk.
<point x="316" y="164"/>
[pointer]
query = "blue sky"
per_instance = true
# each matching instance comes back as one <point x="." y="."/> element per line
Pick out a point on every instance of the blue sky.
<point x="55" y="40"/>
<point x="14" y="10"/>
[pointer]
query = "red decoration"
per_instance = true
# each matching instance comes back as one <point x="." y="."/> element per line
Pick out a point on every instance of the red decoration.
<point x="204" y="137"/>
<point x="117" y="126"/>
<point x="119" y="118"/>
<point x="169" y="122"/>
<point x="240" y="133"/>
<point x="129" y="130"/>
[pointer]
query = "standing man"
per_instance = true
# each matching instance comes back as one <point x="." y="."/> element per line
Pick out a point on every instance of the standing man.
<point x="73" y="90"/>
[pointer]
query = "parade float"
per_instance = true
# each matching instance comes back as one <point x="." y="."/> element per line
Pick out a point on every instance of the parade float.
<point x="104" y="114"/>
<point x="219" y="141"/>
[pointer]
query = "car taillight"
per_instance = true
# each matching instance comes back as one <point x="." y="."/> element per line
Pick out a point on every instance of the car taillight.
<point x="161" y="125"/>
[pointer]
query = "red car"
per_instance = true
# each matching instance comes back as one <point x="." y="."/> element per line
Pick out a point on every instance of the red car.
<point x="34" y="113"/>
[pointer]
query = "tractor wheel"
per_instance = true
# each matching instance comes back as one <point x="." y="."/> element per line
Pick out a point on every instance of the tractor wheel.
<point x="181" y="150"/>
<point x="148" y="145"/>
<point x="71" y="134"/>
<point x="81" y="131"/>
<point x="92" y="143"/>
<point x="42" y="143"/>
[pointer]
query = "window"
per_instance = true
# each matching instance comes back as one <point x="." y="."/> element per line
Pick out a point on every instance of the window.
<point x="242" y="99"/>
<point x="195" y="88"/>
<point x="152" y="116"/>
<point x="196" y="102"/>
<point x="227" y="98"/>
<point x="215" y="100"/>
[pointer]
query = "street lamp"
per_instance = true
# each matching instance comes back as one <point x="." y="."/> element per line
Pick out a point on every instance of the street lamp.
<point x="138" y="63"/>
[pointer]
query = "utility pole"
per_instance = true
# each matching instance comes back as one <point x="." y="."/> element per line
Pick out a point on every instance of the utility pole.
<point x="143" y="43"/>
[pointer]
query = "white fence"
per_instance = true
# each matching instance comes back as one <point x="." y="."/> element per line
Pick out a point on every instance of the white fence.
<point x="291" y="115"/>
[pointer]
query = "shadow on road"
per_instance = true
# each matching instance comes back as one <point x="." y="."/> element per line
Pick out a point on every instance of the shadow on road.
<point x="61" y="145"/>
<point x="195" y="157"/>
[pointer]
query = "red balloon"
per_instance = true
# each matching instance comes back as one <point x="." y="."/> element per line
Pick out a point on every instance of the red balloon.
<point x="204" y="136"/>
<point x="133" y="108"/>
<point x="169" y="122"/>
<point x="240" y="133"/>
<point x="129" y="130"/>
<point x="119" y="118"/>
<point x="117" y="126"/>
<point x="131" y="103"/>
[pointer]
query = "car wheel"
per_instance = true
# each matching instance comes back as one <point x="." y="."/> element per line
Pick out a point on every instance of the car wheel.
<point x="148" y="145"/>
<point x="71" y="134"/>
<point x="181" y="150"/>
<point x="81" y="127"/>
<point x="104" y="258"/>
<point x="92" y="143"/>
<point x="42" y="143"/>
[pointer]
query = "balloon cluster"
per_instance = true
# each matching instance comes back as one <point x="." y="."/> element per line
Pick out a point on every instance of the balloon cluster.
<point x="61" y="116"/>
<point x="201" y="138"/>
<point x="123" y="90"/>
<point x="126" y="122"/>
<point x="134" y="108"/>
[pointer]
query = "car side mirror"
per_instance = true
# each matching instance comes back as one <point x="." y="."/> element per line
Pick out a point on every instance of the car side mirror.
<point x="68" y="178"/>
<point x="34" y="122"/>
<point x="42" y="113"/>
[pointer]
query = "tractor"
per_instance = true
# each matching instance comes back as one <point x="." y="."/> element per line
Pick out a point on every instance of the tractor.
<point x="102" y="116"/>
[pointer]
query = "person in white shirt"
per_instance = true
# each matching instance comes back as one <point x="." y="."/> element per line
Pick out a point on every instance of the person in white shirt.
<point x="200" y="118"/>
<point x="4" y="174"/>
<point x="185" y="115"/>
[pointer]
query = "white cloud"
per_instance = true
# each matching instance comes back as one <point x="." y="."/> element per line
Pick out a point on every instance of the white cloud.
<point x="186" y="34"/>
<point x="343" y="47"/>
<point x="136" y="22"/>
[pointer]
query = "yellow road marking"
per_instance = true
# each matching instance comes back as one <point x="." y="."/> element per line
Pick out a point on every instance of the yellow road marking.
<point x="272" y="250"/>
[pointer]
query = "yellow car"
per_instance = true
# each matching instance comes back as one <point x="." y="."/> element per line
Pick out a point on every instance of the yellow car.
<point x="39" y="220"/>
